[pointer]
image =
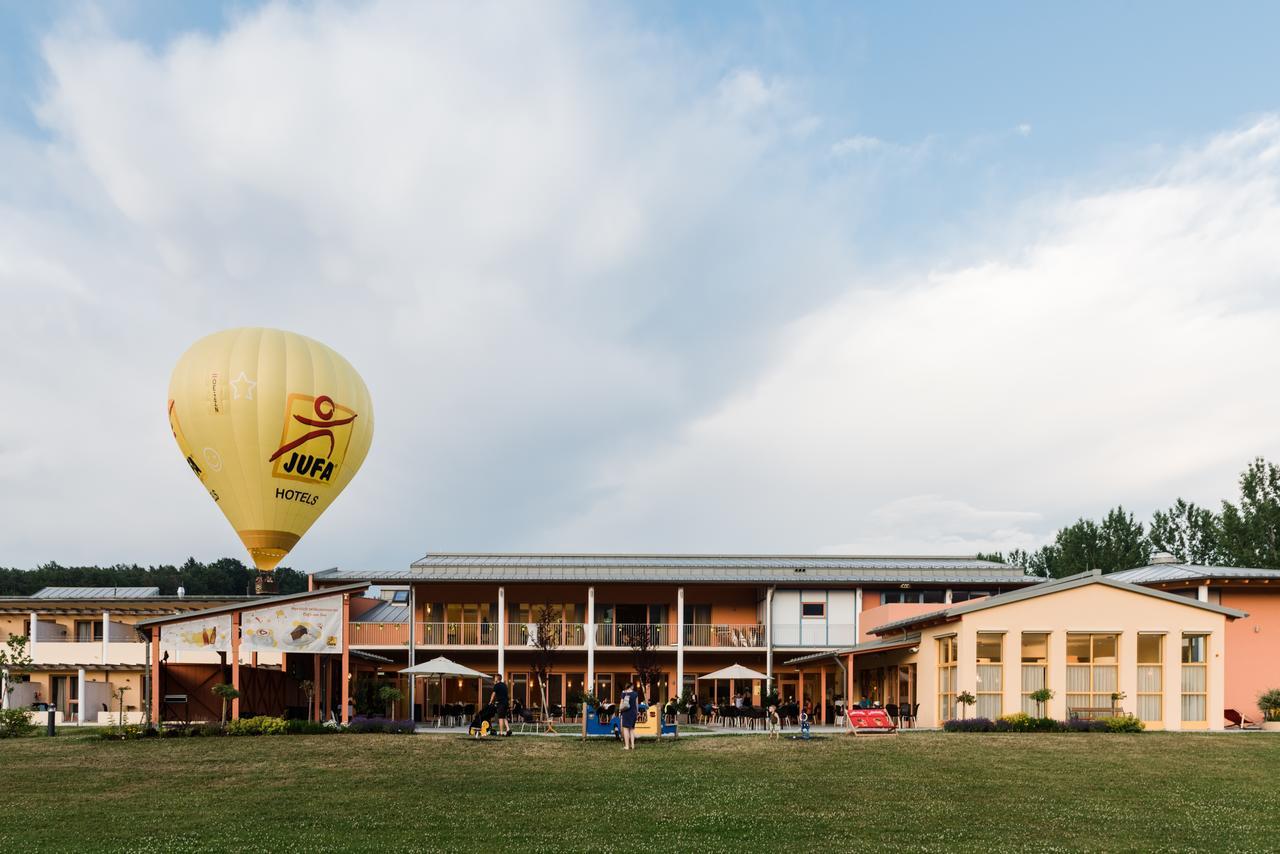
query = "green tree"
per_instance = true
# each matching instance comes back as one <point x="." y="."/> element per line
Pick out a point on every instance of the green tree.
<point x="1250" y="532"/>
<point x="226" y="692"/>
<point x="1188" y="532"/>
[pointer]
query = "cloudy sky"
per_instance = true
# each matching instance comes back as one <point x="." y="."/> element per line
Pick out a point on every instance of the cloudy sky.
<point x="857" y="279"/>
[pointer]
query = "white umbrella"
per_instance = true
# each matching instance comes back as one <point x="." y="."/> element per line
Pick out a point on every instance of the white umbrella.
<point x="441" y="666"/>
<point x="735" y="671"/>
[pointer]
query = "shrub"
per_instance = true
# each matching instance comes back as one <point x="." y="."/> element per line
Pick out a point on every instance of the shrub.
<point x="210" y="730"/>
<point x="309" y="728"/>
<point x="260" y="725"/>
<point x="1023" y="722"/>
<point x="1079" y="725"/>
<point x="363" y="724"/>
<point x="969" y="725"/>
<point x="1123" y="723"/>
<point x="1269" y="703"/>
<point x="15" y="723"/>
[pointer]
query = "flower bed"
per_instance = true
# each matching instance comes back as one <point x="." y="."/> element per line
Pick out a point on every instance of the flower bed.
<point x="1022" y="722"/>
<point x="261" y="725"/>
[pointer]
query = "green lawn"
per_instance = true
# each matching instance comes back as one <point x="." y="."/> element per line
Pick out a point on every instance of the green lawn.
<point x="924" y="791"/>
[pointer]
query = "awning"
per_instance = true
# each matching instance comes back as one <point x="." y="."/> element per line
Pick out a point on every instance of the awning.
<point x="860" y="649"/>
<point x="441" y="666"/>
<point x="735" y="671"/>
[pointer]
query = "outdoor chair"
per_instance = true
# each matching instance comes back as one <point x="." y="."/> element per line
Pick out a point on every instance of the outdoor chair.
<point x="1239" y="721"/>
<point x="891" y="709"/>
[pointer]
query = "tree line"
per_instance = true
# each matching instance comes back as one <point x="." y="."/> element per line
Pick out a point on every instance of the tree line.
<point x="1241" y="533"/>
<point x="225" y="577"/>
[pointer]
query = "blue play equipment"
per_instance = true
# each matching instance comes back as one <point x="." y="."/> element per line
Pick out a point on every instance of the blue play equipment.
<point x="595" y="727"/>
<point x="652" y="726"/>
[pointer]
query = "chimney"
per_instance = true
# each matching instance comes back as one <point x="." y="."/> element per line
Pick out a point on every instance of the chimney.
<point x="182" y="591"/>
<point x="1162" y="558"/>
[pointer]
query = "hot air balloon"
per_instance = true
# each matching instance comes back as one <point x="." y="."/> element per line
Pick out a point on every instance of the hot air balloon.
<point x="274" y="425"/>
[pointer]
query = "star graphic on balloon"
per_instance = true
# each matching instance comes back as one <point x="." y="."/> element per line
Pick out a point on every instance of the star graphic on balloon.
<point x="235" y="387"/>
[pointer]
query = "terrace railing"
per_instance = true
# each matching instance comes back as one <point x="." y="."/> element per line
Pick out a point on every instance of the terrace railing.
<point x="380" y="634"/>
<point x="456" y="634"/>
<point x="623" y="634"/>
<point x="716" y="635"/>
<point x="565" y="634"/>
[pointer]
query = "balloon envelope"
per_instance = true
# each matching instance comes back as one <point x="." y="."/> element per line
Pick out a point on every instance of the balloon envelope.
<point x="275" y="425"/>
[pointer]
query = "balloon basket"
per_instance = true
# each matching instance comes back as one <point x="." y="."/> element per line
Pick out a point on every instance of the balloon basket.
<point x="264" y="583"/>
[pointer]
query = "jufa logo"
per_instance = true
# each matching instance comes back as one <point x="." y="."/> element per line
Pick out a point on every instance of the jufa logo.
<point x="314" y="443"/>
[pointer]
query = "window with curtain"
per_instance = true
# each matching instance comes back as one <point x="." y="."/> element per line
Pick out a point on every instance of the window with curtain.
<point x="1195" y="678"/>
<point x="1035" y="670"/>
<point x="990" y="694"/>
<point x="1151" y="677"/>
<point x="947" y="648"/>
<point x="88" y="630"/>
<point x="1092" y="669"/>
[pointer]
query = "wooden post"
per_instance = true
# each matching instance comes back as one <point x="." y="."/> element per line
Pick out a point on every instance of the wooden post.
<point x="822" y="695"/>
<point x="848" y="692"/>
<point x="155" y="675"/>
<point x="346" y="655"/>
<point x="316" y="685"/>
<point x="235" y="662"/>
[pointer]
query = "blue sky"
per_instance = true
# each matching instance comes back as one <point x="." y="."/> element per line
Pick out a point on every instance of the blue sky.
<point x="718" y="276"/>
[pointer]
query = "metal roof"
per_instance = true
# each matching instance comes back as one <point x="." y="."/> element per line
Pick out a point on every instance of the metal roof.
<point x="882" y="645"/>
<point x="96" y="593"/>
<point x="710" y="569"/>
<point x="1052" y="586"/>
<point x="387" y="612"/>
<point x="1191" y="572"/>
<point x="265" y="601"/>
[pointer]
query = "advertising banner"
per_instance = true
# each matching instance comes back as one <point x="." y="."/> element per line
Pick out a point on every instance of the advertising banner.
<point x="313" y="625"/>
<point x="210" y="634"/>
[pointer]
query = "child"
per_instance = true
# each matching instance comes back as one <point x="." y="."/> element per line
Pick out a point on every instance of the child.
<point x="804" y="725"/>
<point x="775" y="724"/>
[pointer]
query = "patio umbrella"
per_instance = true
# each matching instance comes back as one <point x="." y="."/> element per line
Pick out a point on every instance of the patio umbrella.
<point x="735" y="671"/>
<point x="442" y="667"/>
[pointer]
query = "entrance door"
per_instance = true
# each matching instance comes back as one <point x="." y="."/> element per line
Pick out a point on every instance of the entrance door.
<point x="65" y="695"/>
<point x="788" y="689"/>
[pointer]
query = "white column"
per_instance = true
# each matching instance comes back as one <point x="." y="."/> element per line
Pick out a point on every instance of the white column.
<point x="4" y="688"/>
<point x="81" y="716"/>
<point x="768" y="638"/>
<point x="31" y="640"/>
<point x="413" y="642"/>
<point x="857" y="618"/>
<point x="502" y="631"/>
<point x="1202" y="594"/>
<point x="679" y="643"/>
<point x="106" y="635"/>
<point x="591" y="640"/>
<point x="947" y="597"/>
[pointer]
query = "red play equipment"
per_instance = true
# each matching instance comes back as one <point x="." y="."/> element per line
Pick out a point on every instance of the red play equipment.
<point x="868" y="721"/>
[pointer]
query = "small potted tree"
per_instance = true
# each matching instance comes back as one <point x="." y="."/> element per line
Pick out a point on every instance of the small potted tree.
<point x="226" y="692"/>
<point x="1041" y="697"/>
<point x="1116" y="697"/>
<point x="1269" y="703"/>
<point x="964" y="699"/>
<point x="390" y="695"/>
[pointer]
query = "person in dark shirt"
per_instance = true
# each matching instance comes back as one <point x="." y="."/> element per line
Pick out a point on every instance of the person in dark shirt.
<point x="501" y="697"/>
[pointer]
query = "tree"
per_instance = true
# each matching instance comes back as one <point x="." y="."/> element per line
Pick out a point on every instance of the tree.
<point x="545" y="642"/>
<point x="390" y="695"/>
<point x="644" y="657"/>
<point x="964" y="699"/>
<point x="1186" y="531"/>
<point x="226" y="692"/>
<point x="1250" y="532"/>
<point x="14" y="661"/>
<point x="1041" y="697"/>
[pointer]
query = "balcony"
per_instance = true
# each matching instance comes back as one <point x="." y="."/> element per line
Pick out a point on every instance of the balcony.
<point x="625" y="634"/>
<point x="565" y="634"/>
<point x="719" y="636"/>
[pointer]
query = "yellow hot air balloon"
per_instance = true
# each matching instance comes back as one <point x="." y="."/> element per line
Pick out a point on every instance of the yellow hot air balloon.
<point x="275" y="425"/>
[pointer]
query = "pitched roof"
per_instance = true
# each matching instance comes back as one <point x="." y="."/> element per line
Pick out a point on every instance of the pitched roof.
<point x="1047" y="589"/>
<point x="882" y="645"/>
<point x="385" y="612"/>
<point x="96" y="593"/>
<point x="1159" y="572"/>
<point x="263" y="602"/>
<point x="706" y="568"/>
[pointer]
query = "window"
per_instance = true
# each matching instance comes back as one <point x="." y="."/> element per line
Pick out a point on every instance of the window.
<point x="813" y="609"/>
<point x="1151" y="677"/>
<point x="927" y="597"/>
<point x="1092" y="671"/>
<point x="966" y="595"/>
<point x="1195" y="678"/>
<point x="1035" y="670"/>
<point x="990" y="653"/>
<point x="400" y="597"/>
<point x="947" y="648"/>
<point x="88" y="630"/>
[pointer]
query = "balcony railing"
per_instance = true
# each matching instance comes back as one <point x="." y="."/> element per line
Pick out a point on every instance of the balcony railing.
<point x="749" y="635"/>
<point x="564" y="634"/>
<point x="628" y="634"/>
<point x="457" y="634"/>
<point x="380" y="634"/>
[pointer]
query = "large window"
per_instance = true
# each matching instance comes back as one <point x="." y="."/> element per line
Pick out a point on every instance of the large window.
<point x="947" y="648"/>
<point x="1035" y="670"/>
<point x="1151" y="677"/>
<point x="813" y="609"/>
<point x="927" y="597"/>
<point x="990" y="649"/>
<point x="1092" y="671"/>
<point x="88" y="630"/>
<point x="1195" y="678"/>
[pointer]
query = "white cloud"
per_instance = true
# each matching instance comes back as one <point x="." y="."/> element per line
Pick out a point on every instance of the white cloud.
<point x="1118" y="355"/>
<point x="857" y="144"/>
<point x="1023" y="129"/>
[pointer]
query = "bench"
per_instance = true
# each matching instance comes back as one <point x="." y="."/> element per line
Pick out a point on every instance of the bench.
<point x="1091" y="713"/>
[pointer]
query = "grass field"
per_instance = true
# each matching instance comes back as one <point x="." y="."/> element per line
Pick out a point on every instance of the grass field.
<point x="923" y="791"/>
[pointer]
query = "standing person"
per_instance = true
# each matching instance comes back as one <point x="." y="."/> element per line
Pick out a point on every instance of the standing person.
<point x="775" y="724"/>
<point x="501" y="697"/>
<point x="628" y="710"/>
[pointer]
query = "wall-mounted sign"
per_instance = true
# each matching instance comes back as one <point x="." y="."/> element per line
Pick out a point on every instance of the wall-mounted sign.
<point x="210" y="634"/>
<point x="312" y="625"/>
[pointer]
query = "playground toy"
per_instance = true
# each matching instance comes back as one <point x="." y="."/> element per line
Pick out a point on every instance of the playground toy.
<point x="870" y="722"/>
